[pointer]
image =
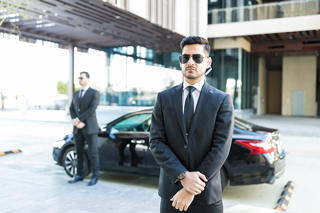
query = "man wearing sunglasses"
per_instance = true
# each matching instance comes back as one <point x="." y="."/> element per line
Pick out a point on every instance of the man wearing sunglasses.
<point x="83" y="113"/>
<point x="190" y="135"/>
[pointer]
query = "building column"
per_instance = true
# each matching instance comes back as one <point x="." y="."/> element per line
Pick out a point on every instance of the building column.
<point x="71" y="74"/>
<point x="262" y="87"/>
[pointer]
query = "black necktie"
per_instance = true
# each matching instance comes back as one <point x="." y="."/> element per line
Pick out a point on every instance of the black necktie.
<point x="189" y="108"/>
<point x="80" y="96"/>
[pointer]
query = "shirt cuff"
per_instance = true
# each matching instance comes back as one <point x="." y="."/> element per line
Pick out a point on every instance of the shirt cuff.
<point x="78" y="119"/>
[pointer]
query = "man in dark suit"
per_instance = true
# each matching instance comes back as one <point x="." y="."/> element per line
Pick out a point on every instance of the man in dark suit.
<point x="83" y="113"/>
<point x="190" y="135"/>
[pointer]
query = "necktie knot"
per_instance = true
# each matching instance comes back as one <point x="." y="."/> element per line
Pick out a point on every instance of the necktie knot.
<point x="191" y="89"/>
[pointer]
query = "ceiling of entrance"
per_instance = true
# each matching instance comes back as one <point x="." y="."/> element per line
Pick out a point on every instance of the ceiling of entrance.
<point x="89" y="23"/>
<point x="291" y="43"/>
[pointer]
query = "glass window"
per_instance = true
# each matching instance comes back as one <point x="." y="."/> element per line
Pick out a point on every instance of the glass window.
<point x="235" y="72"/>
<point x="242" y="124"/>
<point x="136" y="79"/>
<point x="130" y="50"/>
<point x="136" y="123"/>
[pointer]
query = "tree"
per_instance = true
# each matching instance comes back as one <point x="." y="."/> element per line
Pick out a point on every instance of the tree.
<point x="62" y="88"/>
<point x="8" y="10"/>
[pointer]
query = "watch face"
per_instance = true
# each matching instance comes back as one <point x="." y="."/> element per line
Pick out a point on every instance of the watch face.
<point x="181" y="176"/>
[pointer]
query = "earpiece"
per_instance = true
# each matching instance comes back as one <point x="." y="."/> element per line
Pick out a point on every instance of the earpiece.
<point x="209" y="70"/>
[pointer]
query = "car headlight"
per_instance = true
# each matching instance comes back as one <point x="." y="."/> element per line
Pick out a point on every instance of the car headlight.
<point x="59" y="143"/>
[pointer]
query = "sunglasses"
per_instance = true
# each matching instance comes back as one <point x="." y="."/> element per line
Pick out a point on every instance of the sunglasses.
<point x="198" y="58"/>
<point x="80" y="78"/>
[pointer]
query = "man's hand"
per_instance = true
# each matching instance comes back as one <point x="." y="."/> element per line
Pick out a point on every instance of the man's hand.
<point x="182" y="200"/>
<point x="80" y="125"/>
<point x="75" y="122"/>
<point x="192" y="182"/>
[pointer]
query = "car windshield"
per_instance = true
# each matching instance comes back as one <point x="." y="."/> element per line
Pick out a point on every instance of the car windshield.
<point x="242" y="124"/>
<point x="140" y="122"/>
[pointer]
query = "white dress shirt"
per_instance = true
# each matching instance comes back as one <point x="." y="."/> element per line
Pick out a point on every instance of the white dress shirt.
<point x="84" y="91"/>
<point x="195" y="94"/>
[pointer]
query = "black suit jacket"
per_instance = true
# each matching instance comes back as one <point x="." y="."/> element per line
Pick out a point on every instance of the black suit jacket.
<point x="86" y="111"/>
<point x="206" y="147"/>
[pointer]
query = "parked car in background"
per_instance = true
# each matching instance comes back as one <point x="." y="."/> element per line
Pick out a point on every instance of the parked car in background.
<point x="256" y="154"/>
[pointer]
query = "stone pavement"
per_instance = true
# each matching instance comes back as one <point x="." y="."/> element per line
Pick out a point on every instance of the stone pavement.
<point x="303" y="126"/>
<point x="300" y="126"/>
<point x="30" y="192"/>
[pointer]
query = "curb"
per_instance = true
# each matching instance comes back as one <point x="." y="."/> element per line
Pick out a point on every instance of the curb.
<point x="10" y="152"/>
<point x="285" y="197"/>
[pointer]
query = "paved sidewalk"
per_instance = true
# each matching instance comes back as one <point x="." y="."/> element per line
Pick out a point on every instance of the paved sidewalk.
<point x="303" y="126"/>
<point x="105" y="114"/>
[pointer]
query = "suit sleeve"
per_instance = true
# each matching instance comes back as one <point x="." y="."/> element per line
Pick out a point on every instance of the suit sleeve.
<point x="92" y="107"/>
<point x="222" y="138"/>
<point x="158" y="144"/>
<point x="71" y="109"/>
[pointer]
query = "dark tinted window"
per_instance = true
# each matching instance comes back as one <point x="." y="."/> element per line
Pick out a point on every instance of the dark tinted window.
<point x="242" y="124"/>
<point x="140" y="122"/>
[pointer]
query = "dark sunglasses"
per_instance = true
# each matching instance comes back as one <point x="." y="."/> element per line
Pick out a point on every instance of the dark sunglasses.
<point x="198" y="58"/>
<point x="80" y="78"/>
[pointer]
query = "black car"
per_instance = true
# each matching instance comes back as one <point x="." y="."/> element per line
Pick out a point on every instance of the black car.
<point x="256" y="154"/>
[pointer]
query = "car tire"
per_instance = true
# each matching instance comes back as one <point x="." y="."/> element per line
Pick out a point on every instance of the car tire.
<point x="224" y="179"/>
<point x="69" y="162"/>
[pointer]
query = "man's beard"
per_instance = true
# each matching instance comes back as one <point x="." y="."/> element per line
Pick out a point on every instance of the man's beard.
<point x="189" y="77"/>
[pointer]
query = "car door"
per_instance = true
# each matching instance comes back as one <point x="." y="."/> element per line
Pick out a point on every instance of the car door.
<point x="124" y="147"/>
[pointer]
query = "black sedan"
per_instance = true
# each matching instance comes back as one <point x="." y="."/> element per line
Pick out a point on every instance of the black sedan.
<point x="256" y="155"/>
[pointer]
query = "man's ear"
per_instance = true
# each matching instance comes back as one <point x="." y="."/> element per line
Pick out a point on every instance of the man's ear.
<point x="209" y="61"/>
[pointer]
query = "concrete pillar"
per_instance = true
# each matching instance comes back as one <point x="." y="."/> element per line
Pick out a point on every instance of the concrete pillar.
<point x="71" y="74"/>
<point x="299" y="75"/>
<point x="262" y="89"/>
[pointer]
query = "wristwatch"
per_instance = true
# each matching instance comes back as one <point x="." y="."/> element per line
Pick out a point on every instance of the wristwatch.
<point x="182" y="175"/>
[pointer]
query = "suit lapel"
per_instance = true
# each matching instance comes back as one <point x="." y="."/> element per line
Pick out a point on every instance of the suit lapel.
<point x="205" y="96"/>
<point x="177" y="102"/>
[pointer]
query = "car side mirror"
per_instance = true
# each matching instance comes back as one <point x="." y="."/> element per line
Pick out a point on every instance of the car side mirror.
<point x="104" y="131"/>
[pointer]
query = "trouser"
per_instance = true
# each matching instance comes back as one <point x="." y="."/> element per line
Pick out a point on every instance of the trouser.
<point x="166" y="207"/>
<point x="92" y="141"/>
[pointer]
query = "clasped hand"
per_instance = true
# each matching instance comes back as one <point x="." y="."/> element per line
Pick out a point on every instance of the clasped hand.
<point x="78" y="124"/>
<point x="182" y="200"/>
<point x="193" y="182"/>
<point x="192" y="185"/>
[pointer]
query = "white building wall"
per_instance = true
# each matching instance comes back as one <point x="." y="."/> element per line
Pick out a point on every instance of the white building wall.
<point x="185" y="17"/>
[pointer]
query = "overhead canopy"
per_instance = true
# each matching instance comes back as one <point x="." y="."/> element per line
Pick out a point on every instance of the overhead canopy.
<point x="88" y="24"/>
<point x="290" y="43"/>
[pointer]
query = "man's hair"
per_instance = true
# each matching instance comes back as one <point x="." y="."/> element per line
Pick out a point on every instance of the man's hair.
<point x="86" y="73"/>
<point x="195" y="40"/>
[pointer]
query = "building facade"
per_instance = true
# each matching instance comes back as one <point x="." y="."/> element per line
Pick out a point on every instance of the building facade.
<point x="268" y="54"/>
<point x="265" y="53"/>
<point x="137" y="73"/>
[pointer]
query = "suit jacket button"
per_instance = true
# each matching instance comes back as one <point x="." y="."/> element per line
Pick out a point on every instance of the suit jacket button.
<point x="185" y="146"/>
<point x="78" y="109"/>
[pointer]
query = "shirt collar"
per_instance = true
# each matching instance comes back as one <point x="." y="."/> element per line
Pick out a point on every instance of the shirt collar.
<point x="198" y="85"/>
<point x="86" y="88"/>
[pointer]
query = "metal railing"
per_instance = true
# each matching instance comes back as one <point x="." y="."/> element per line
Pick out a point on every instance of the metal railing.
<point x="264" y="11"/>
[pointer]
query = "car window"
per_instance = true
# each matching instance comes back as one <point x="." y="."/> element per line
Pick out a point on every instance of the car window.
<point x="134" y="123"/>
<point x="242" y="124"/>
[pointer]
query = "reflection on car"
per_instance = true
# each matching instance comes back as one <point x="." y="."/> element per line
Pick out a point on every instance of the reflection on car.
<point x="256" y="154"/>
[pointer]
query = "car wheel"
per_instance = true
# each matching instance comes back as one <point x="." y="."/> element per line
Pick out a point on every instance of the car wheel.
<point x="70" y="162"/>
<point x="224" y="178"/>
